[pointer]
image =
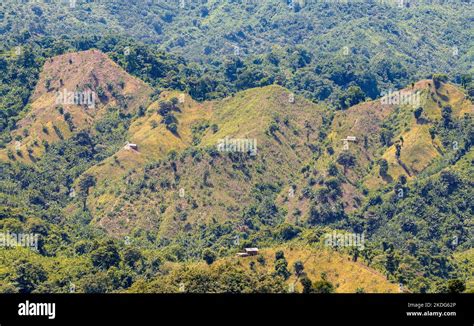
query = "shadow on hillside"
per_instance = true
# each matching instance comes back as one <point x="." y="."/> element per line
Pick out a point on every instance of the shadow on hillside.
<point x="387" y="178"/>
<point x="407" y="171"/>
<point x="32" y="158"/>
<point x="422" y="121"/>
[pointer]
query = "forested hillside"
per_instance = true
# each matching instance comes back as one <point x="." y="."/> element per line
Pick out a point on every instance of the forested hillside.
<point x="318" y="48"/>
<point x="133" y="192"/>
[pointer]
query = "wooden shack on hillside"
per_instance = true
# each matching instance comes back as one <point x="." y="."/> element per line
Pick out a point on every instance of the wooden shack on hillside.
<point x="131" y="146"/>
<point x="248" y="252"/>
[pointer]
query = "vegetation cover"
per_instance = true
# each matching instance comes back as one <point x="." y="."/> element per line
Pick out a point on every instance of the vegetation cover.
<point x="360" y="125"/>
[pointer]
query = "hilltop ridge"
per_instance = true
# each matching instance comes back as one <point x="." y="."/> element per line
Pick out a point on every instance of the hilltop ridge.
<point x="74" y="91"/>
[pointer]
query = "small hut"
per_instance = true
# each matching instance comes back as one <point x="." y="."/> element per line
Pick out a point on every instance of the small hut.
<point x="131" y="146"/>
<point x="251" y="251"/>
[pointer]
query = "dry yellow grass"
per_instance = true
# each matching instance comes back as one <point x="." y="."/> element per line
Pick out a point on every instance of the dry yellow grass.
<point x="245" y="115"/>
<point x="74" y="72"/>
<point x="346" y="275"/>
<point x="418" y="149"/>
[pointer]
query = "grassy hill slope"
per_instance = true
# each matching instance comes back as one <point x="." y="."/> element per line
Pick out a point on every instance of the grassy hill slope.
<point x="208" y="177"/>
<point x="53" y="117"/>
<point x="180" y="193"/>
<point x="232" y="274"/>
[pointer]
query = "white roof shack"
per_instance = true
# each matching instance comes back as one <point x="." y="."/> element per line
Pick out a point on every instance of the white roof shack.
<point x="251" y="250"/>
<point x="242" y="254"/>
<point x="248" y="252"/>
<point x="351" y="138"/>
<point x="130" y="146"/>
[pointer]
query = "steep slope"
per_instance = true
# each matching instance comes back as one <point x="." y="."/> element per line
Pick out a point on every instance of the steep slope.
<point x="174" y="189"/>
<point x="232" y="274"/>
<point x="347" y="276"/>
<point x="215" y="183"/>
<point x="365" y="134"/>
<point x="178" y="180"/>
<point x="226" y="274"/>
<point x="74" y="91"/>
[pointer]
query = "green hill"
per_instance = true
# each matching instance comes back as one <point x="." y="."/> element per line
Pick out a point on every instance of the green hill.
<point x="138" y="215"/>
